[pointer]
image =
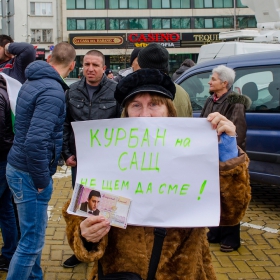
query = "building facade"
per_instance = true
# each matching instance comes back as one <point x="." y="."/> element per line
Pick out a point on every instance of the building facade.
<point x="35" y="22"/>
<point x="117" y="26"/>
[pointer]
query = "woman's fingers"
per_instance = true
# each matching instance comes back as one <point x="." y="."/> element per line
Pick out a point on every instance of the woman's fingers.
<point x="94" y="228"/>
<point x="221" y="124"/>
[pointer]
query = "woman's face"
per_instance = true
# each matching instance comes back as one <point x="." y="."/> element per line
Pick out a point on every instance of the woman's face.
<point x="143" y="106"/>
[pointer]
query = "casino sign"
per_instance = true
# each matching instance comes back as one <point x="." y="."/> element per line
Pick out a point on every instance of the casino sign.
<point x="168" y="40"/>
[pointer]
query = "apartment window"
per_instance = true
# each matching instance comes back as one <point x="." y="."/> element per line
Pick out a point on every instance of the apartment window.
<point x="128" y="4"/>
<point x="121" y="24"/>
<point x="85" y="4"/>
<point x="246" y="22"/>
<point x="219" y="22"/>
<point x="41" y="36"/>
<point x="41" y="8"/>
<point x="171" y="23"/>
<point x="85" y="24"/>
<point x="200" y="4"/>
<point x="171" y="4"/>
<point x="239" y="4"/>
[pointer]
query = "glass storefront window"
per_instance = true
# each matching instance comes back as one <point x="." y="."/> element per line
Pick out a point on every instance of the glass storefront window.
<point x="228" y="4"/>
<point x="71" y="24"/>
<point x="156" y="23"/>
<point x="90" y="24"/>
<point x="114" y="24"/>
<point x="228" y="22"/>
<point x="100" y="4"/>
<point x="90" y="4"/>
<point x="128" y="4"/>
<point x="165" y="4"/>
<point x="218" y="4"/>
<point x="80" y="4"/>
<point x="185" y="4"/>
<point x="80" y="24"/>
<point x="143" y="23"/>
<point x="143" y="4"/>
<point x="218" y="23"/>
<point x="208" y="23"/>
<point x="133" y="4"/>
<point x="113" y="4"/>
<point x="166" y="23"/>
<point x="207" y="3"/>
<point x="123" y="4"/>
<point x="176" y="23"/>
<point x="185" y="23"/>
<point x="239" y="4"/>
<point x="156" y="4"/>
<point x="175" y="4"/>
<point x="123" y="24"/>
<point x="198" y="4"/>
<point x="100" y="24"/>
<point x="199" y="23"/>
<point x="71" y="4"/>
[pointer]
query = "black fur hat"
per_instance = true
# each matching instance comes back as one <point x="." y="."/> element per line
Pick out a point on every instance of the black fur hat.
<point x="145" y="80"/>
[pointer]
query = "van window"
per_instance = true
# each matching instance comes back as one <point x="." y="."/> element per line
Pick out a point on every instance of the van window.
<point x="262" y="85"/>
<point x="198" y="89"/>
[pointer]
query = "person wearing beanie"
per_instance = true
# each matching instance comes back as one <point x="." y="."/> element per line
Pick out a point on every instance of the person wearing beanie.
<point x="133" y="65"/>
<point x="187" y="63"/>
<point x="109" y="74"/>
<point x="156" y="56"/>
<point x="181" y="253"/>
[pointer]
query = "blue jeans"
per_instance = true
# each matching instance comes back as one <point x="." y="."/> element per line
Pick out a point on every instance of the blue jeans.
<point x="7" y="216"/>
<point x="32" y="211"/>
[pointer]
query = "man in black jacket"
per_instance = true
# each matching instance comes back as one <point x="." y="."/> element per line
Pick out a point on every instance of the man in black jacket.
<point x="91" y="98"/>
<point x="15" y="57"/>
<point x="7" y="215"/>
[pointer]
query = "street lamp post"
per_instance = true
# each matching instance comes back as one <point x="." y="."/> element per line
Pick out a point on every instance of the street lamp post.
<point x="234" y="14"/>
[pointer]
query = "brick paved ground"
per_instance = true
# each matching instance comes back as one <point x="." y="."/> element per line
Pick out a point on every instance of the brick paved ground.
<point x="257" y="258"/>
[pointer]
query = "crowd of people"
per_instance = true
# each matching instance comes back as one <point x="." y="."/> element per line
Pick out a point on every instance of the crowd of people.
<point x="31" y="145"/>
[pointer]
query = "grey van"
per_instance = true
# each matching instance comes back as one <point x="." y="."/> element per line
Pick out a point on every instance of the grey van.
<point x="257" y="76"/>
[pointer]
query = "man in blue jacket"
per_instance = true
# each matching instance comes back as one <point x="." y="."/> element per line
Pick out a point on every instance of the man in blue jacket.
<point x="14" y="58"/>
<point x="32" y="160"/>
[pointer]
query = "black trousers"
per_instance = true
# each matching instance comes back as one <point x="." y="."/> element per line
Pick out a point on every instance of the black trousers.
<point x="225" y="235"/>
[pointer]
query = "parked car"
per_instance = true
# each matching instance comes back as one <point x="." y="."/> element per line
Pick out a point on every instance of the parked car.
<point x="257" y="76"/>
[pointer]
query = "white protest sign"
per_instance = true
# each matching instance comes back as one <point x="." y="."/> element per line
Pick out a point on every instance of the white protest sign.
<point x="168" y="167"/>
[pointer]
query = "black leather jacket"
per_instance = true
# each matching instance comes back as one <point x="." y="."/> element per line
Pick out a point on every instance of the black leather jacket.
<point x="80" y="108"/>
<point x="6" y="129"/>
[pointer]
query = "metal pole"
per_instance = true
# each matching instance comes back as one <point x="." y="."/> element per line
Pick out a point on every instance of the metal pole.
<point x="234" y="14"/>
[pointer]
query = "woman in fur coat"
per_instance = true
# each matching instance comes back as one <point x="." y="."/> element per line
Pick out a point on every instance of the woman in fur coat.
<point x="185" y="252"/>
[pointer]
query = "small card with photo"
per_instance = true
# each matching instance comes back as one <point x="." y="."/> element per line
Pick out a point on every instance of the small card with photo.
<point x="86" y="201"/>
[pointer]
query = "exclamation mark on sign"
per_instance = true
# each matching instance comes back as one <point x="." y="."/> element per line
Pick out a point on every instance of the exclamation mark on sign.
<point x="202" y="188"/>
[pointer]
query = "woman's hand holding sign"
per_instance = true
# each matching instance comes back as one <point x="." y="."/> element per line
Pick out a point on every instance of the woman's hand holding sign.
<point x="94" y="228"/>
<point x="221" y="124"/>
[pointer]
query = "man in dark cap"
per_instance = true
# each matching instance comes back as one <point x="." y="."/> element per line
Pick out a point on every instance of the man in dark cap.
<point x="109" y="74"/>
<point x="186" y="64"/>
<point x="133" y="63"/>
<point x="157" y="57"/>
